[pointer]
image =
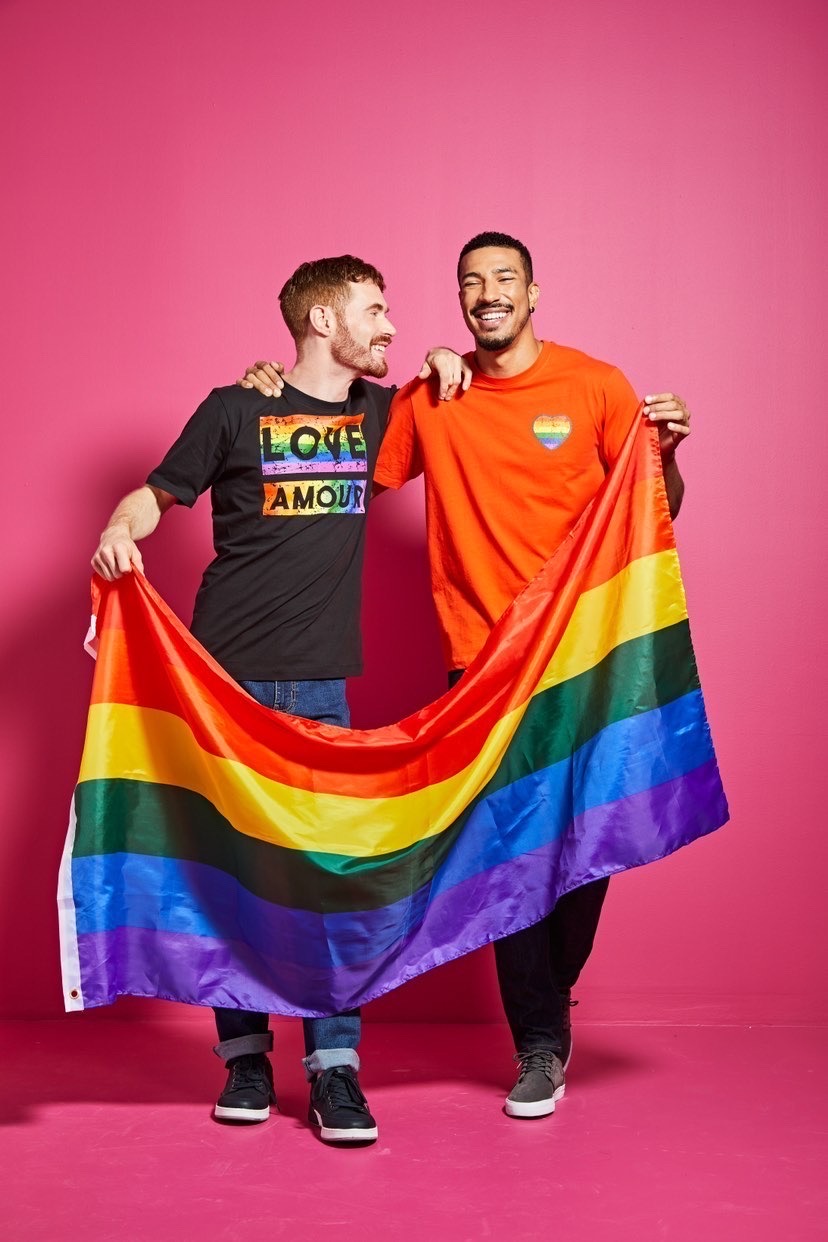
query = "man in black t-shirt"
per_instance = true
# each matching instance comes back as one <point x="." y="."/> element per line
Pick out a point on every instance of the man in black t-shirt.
<point x="278" y="607"/>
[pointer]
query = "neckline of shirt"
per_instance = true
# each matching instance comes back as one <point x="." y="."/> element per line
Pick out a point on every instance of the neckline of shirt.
<point x="313" y="403"/>
<point x="482" y="380"/>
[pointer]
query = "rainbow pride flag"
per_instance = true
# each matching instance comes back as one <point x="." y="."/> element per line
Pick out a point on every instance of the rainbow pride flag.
<point x="222" y="854"/>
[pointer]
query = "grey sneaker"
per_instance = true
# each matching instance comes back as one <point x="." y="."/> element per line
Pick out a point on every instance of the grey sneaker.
<point x="540" y="1083"/>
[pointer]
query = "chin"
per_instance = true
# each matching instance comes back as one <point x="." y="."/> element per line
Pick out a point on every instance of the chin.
<point x="492" y="344"/>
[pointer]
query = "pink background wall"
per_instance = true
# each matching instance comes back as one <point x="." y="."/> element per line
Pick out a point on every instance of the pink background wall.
<point x="167" y="165"/>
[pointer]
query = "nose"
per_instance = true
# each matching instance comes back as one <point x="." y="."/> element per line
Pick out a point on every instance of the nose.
<point x="389" y="327"/>
<point x="491" y="290"/>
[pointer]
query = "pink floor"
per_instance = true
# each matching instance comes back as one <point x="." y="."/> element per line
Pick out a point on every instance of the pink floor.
<point x="703" y="1133"/>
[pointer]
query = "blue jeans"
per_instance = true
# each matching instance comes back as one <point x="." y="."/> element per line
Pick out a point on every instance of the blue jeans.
<point x="328" y="1041"/>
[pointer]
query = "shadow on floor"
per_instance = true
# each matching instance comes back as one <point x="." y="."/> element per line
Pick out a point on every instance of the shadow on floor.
<point x="113" y="1062"/>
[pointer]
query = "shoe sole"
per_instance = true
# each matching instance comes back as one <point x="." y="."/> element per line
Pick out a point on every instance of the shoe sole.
<point x="222" y="1113"/>
<point x="534" y="1108"/>
<point x="332" y="1135"/>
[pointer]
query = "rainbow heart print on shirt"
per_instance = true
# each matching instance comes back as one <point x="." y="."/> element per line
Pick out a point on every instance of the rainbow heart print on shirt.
<point x="552" y="429"/>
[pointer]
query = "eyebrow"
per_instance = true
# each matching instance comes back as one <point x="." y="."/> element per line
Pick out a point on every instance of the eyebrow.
<point x="497" y="271"/>
<point x="378" y="306"/>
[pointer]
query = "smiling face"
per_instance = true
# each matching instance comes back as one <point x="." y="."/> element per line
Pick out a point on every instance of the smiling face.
<point x="496" y="296"/>
<point x="363" y="331"/>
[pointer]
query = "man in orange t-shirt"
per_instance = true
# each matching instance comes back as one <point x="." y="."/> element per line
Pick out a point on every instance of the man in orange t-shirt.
<point x="509" y="467"/>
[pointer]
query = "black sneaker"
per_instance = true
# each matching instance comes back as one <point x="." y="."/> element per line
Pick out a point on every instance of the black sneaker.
<point x="567" y="1004"/>
<point x="248" y="1092"/>
<point x="540" y="1083"/>
<point x="339" y="1108"/>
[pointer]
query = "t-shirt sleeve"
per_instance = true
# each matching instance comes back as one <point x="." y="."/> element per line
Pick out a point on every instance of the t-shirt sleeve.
<point x="196" y="458"/>
<point x="399" y="456"/>
<point x="621" y="406"/>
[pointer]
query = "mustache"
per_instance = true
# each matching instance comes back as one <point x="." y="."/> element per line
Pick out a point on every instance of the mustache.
<point x="481" y="306"/>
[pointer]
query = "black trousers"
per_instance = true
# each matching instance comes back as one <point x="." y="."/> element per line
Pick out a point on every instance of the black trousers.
<point x="538" y="964"/>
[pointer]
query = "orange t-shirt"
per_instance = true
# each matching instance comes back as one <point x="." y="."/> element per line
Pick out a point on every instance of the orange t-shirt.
<point x="509" y="468"/>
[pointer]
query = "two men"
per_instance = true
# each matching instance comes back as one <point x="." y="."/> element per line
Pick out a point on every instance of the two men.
<point x="278" y="607"/>
<point x="291" y="481"/>
<point x="509" y="466"/>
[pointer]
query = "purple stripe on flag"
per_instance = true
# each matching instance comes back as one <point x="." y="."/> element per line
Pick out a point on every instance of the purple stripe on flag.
<point x="297" y="974"/>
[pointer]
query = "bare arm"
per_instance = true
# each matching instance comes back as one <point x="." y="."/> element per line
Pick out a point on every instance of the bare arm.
<point x="673" y="419"/>
<point x="674" y="484"/>
<point x="136" y="516"/>
<point x="453" y="374"/>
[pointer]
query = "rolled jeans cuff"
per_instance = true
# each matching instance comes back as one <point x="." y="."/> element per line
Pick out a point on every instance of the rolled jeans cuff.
<point x="327" y="1058"/>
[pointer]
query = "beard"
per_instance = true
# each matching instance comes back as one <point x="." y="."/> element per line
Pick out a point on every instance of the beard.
<point x="348" y="352"/>
<point x="495" y="343"/>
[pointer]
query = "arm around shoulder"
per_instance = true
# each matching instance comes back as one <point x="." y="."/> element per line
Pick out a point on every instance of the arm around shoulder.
<point x="454" y="375"/>
<point x="135" y="517"/>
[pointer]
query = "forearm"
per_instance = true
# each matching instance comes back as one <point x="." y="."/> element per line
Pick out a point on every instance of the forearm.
<point x="674" y="484"/>
<point x="136" y="516"/>
<point x="454" y="375"/>
<point x="672" y="417"/>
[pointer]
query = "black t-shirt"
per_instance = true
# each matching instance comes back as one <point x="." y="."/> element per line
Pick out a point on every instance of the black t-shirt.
<point x="290" y="482"/>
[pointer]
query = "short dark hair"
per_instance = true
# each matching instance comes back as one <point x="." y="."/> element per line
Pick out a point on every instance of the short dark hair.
<point x="322" y="282"/>
<point x="498" y="239"/>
